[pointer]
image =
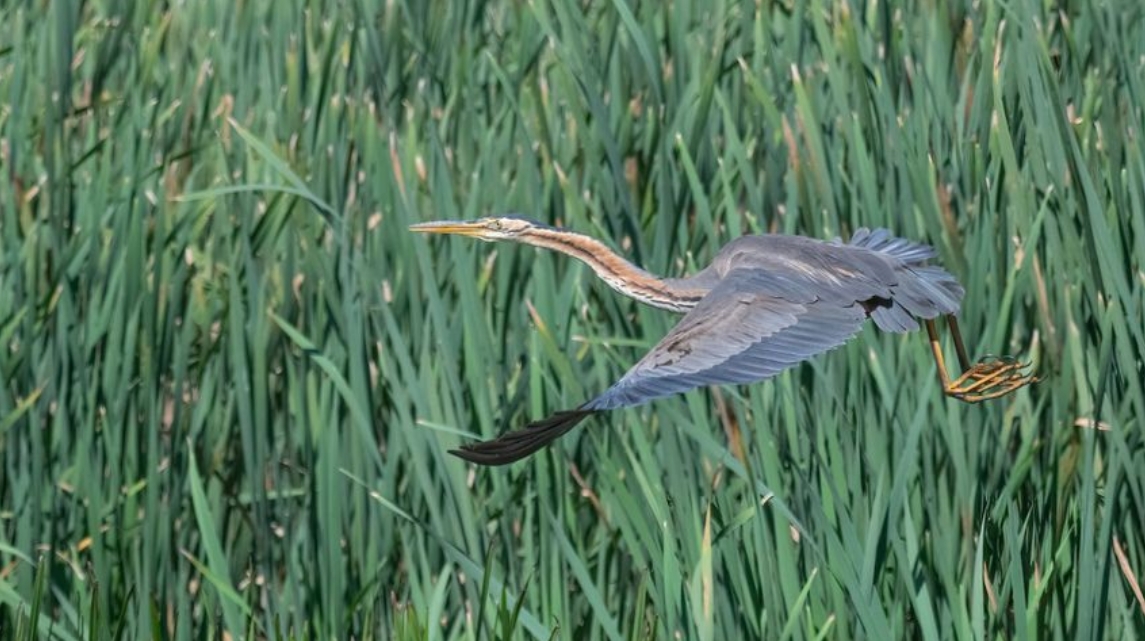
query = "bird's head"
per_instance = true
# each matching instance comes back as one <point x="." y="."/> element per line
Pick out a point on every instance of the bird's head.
<point x="490" y="228"/>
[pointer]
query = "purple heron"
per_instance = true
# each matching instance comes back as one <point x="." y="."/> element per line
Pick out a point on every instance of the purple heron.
<point x="764" y="304"/>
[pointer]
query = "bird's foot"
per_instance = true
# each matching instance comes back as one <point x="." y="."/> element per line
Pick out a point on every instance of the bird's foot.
<point x="989" y="378"/>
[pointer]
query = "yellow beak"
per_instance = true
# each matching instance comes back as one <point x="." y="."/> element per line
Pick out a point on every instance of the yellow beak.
<point x="461" y="227"/>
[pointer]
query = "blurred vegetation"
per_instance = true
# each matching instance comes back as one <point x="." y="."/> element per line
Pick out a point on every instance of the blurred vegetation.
<point x="230" y="376"/>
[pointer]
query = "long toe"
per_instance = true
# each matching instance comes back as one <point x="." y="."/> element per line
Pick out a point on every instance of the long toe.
<point x="991" y="378"/>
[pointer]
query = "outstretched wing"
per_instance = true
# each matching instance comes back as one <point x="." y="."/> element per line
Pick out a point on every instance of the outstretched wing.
<point x="748" y="328"/>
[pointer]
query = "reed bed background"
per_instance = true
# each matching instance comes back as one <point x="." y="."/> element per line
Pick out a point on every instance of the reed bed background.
<point x="230" y="375"/>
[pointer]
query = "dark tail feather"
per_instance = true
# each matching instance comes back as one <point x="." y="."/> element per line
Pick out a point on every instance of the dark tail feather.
<point x="923" y="291"/>
<point x="516" y="445"/>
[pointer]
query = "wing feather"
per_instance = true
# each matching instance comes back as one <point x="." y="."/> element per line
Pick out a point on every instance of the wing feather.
<point x="746" y="329"/>
<point x="742" y="331"/>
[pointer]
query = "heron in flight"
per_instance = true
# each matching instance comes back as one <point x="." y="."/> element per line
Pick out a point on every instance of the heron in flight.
<point x="764" y="304"/>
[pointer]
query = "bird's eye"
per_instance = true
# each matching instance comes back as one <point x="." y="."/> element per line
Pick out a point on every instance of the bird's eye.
<point x="496" y="225"/>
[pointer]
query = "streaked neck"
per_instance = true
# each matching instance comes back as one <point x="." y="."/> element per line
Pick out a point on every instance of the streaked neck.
<point x="621" y="275"/>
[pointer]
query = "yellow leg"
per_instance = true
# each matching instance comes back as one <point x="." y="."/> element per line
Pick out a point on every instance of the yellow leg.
<point x="936" y="348"/>
<point x="989" y="378"/>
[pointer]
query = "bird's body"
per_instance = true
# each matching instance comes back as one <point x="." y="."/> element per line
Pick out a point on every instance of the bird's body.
<point x="764" y="304"/>
<point x="770" y="301"/>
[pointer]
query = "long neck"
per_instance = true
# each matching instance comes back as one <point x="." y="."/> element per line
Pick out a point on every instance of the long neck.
<point x="621" y="275"/>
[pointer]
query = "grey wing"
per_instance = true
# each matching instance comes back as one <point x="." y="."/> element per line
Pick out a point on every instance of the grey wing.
<point x="744" y="330"/>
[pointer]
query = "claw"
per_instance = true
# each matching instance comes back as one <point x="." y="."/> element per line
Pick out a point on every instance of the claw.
<point x="990" y="378"/>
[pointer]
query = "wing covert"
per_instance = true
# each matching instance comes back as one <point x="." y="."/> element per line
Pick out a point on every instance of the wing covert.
<point x="744" y="330"/>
